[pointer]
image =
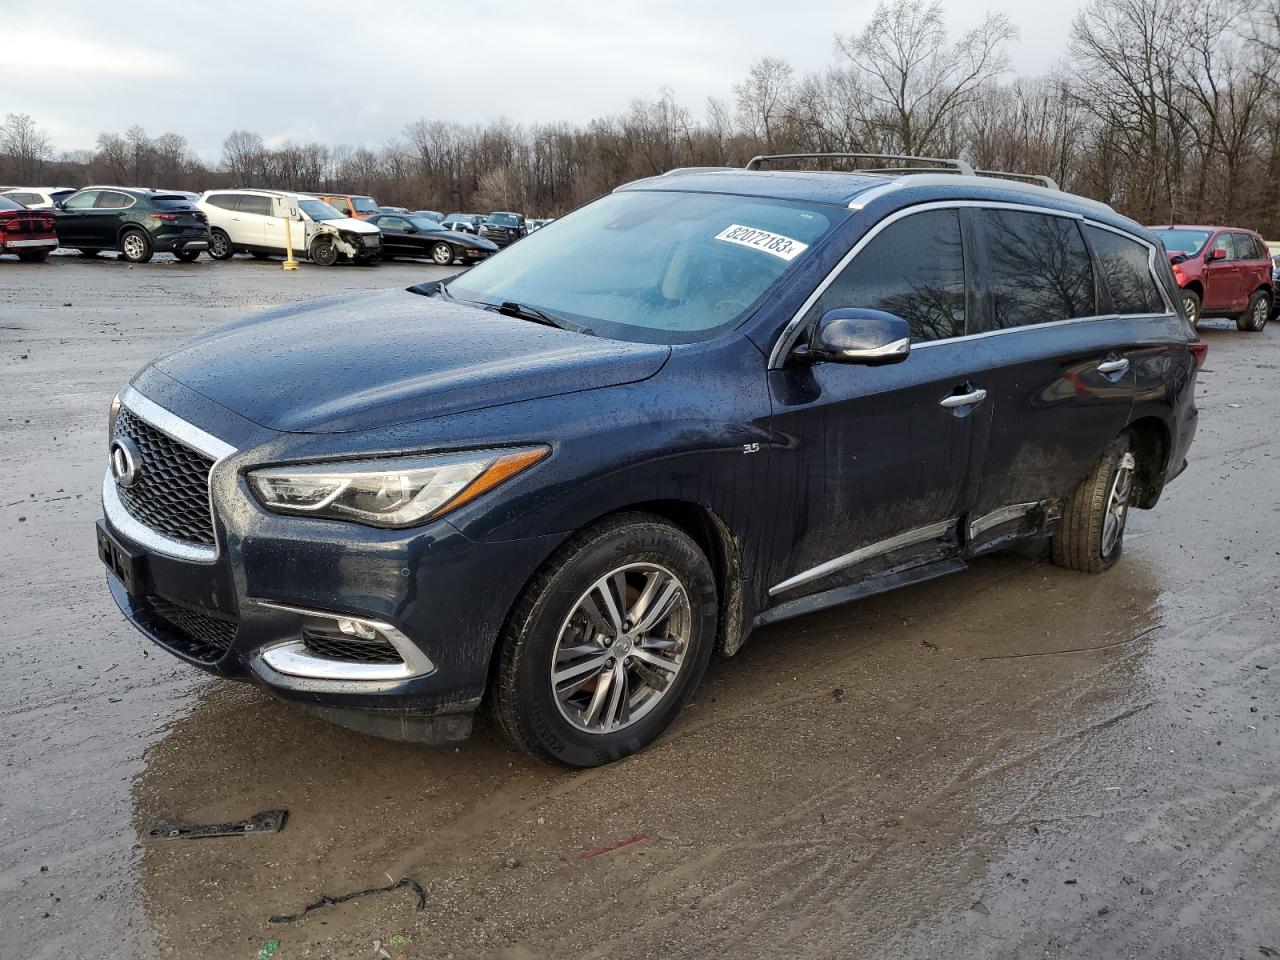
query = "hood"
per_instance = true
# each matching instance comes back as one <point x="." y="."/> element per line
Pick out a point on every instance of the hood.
<point x="351" y="224"/>
<point x="380" y="359"/>
<point x="469" y="239"/>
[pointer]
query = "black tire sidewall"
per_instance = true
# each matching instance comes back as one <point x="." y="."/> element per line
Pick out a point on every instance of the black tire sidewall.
<point x="1194" y="318"/>
<point x="535" y="709"/>
<point x="324" y="253"/>
<point x="1110" y="466"/>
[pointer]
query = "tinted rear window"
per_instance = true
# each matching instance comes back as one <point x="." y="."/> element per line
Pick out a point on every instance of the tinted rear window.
<point x="1126" y="270"/>
<point x="172" y="203"/>
<point x="1039" y="269"/>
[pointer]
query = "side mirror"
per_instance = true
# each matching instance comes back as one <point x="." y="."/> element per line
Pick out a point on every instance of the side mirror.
<point x="1217" y="253"/>
<point x="59" y="205"/>
<point x="410" y="228"/>
<point x="856" y="335"/>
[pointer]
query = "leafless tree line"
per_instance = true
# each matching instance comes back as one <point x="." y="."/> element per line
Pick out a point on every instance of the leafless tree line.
<point x="1168" y="111"/>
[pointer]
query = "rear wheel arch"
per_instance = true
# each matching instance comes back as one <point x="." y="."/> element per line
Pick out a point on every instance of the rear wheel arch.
<point x="1151" y="445"/>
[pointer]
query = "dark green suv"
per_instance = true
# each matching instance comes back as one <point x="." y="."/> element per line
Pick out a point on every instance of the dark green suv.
<point x="138" y="223"/>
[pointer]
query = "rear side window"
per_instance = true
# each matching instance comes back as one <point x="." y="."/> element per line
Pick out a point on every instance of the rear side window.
<point x="253" y="204"/>
<point x="25" y="198"/>
<point x="1126" y="269"/>
<point x="1039" y="269"/>
<point x="913" y="268"/>
<point x="111" y="200"/>
<point x="1244" y="247"/>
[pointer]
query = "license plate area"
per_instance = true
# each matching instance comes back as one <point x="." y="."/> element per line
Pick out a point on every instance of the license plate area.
<point x="126" y="564"/>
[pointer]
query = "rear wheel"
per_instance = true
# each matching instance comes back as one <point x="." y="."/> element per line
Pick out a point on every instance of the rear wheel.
<point x="220" y="247"/>
<point x="442" y="254"/>
<point x="1256" y="314"/>
<point x="1191" y="306"/>
<point x="136" y="246"/>
<point x="324" y="253"/>
<point x="1090" y="534"/>
<point x="34" y="256"/>
<point x="607" y="643"/>
<point x="187" y="256"/>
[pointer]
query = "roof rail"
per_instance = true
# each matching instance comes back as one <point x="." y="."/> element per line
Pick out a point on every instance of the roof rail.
<point x="936" y="164"/>
<point x="1036" y="178"/>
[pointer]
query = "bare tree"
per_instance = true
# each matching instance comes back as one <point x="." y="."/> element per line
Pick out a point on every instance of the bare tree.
<point x="24" y="148"/>
<point x="918" y="82"/>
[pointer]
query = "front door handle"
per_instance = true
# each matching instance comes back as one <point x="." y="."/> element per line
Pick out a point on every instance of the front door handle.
<point x="1119" y="365"/>
<point x="976" y="395"/>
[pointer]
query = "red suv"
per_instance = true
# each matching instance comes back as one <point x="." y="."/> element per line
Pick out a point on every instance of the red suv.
<point x="1222" y="272"/>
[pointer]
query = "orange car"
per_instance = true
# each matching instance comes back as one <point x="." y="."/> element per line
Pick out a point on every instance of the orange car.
<point x="350" y="204"/>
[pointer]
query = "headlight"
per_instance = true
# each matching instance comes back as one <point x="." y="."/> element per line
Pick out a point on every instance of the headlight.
<point x="390" y="493"/>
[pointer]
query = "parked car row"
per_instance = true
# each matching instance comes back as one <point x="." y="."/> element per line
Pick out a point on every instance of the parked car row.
<point x="326" y="228"/>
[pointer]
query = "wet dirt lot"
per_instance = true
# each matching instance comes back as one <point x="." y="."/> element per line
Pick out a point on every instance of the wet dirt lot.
<point x="1015" y="761"/>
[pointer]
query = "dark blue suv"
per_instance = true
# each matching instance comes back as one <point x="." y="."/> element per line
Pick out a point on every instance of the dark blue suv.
<point x="710" y="400"/>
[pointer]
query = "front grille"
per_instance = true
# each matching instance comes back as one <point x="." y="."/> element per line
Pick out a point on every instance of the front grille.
<point x="171" y="494"/>
<point x="352" y="649"/>
<point x="188" y="630"/>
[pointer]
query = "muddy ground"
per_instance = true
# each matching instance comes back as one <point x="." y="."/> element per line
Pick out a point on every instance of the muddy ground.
<point x="1012" y="762"/>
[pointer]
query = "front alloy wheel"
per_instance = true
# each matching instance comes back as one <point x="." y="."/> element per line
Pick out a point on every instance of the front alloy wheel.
<point x="1191" y="307"/>
<point x="621" y="648"/>
<point x="442" y="254"/>
<point x="607" y="642"/>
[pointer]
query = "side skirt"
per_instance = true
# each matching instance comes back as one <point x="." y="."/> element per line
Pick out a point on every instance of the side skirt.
<point x="879" y="584"/>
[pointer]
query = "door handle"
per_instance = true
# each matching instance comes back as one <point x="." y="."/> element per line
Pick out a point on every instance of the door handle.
<point x="977" y="395"/>
<point x="1119" y="365"/>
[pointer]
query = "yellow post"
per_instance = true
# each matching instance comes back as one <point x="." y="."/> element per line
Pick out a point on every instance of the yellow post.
<point x="289" y="213"/>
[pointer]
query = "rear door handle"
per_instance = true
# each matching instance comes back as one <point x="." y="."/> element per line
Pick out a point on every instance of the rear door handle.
<point x="1119" y="365"/>
<point x="977" y="395"/>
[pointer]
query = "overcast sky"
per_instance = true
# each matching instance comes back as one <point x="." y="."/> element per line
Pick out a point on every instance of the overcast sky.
<point x="354" y="73"/>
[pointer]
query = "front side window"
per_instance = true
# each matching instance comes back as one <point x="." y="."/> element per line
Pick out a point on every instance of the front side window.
<point x="227" y="201"/>
<point x="1222" y="243"/>
<point x="82" y="200"/>
<point x="654" y="266"/>
<point x="913" y="268"/>
<point x="1126" y="270"/>
<point x="390" y="223"/>
<point x="341" y="204"/>
<point x="1039" y="270"/>
<point x="251" y="203"/>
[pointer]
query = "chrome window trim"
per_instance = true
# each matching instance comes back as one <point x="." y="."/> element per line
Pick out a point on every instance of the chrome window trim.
<point x="787" y="339"/>
<point x="294" y="659"/>
<point x="192" y="436"/>
<point x="907" y="539"/>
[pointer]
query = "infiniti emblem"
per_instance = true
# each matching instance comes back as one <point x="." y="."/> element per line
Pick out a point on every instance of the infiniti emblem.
<point x="124" y="462"/>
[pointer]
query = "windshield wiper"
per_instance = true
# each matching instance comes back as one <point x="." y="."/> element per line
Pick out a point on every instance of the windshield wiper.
<point x="510" y="308"/>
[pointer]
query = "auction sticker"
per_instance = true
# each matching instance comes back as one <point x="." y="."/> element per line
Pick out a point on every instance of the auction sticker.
<point x="775" y="243"/>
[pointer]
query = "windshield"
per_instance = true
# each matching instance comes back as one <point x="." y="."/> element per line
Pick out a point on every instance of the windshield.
<point x="1188" y="242"/>
<point x="426" y="224"/>
<point x="319" y="210"/>
<point x="364" y="204"/>
<point x="658" y="267"/>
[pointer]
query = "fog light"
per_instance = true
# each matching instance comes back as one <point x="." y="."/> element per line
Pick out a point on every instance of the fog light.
<point x="354" y="628"/>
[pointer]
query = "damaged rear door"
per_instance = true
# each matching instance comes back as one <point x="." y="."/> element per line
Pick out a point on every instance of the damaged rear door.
<point x="879" y="462"/>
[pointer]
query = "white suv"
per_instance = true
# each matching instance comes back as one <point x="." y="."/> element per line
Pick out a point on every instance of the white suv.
<point x="253" y="221"/>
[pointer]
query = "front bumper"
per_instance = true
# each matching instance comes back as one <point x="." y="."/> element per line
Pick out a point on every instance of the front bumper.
<point x="244" y="609"/>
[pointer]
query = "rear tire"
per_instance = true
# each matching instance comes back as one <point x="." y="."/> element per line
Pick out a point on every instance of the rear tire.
<point x="324" y="253"/>
<point x="1191" y="305"/>
<point x="1090" y="534"/>
<point x="1255" y="316"/>
<point x="34" y="256"/>
<point x="220" y="246"/>
<point x="621" y="683"/>
<point x="135" y="246"/>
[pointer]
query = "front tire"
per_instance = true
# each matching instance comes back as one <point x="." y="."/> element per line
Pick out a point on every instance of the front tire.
<point x="442" y="254"/>
<point x="220" y="246"/>
<point x="324" y="253"/>
<point x="1256" y="314"/>
<point x="135" y="245"/>
<point x="607" y="643"/>
<point x="1191" y="306"/>
<point x="1090" y="533"/>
